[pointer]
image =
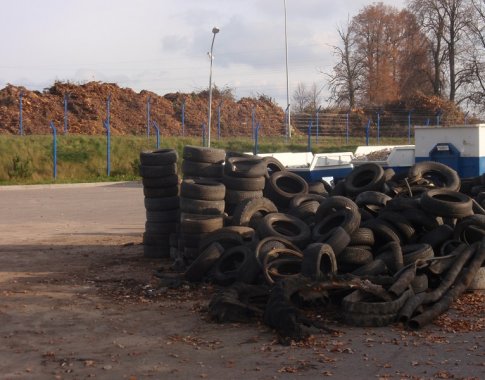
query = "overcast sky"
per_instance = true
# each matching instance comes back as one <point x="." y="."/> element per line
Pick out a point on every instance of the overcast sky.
<point x="162" y="45"/>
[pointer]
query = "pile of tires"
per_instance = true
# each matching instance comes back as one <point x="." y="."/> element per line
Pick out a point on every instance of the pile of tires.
<point x="202" y="198"/>
<point x="244" y="179"/>
<point x="158" y="170"/>
<point x="203" y="162"/>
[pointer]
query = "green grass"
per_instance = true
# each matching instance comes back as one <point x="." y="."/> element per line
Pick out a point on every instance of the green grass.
<point x="28" y="159"/>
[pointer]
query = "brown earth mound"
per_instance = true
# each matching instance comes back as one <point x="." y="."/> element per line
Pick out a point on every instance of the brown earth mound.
<point x="87" y="111"/>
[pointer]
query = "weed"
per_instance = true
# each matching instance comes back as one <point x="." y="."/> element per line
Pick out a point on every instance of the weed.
<point x="20" y="168"/>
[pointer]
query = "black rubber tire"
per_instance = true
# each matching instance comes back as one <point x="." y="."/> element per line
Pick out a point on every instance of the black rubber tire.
<point x="245" y="167"/>
<point x="149" y="192"/>
<point x="199" y="224"/>
<point x="280" y="264"/>
<point x="161" y="182"/>
<point x="162" y="204"/>
<point x="357" y="302"/>
<point x="364" y="177"/>
<point x="238" y="196"/>
<point x="402" y="203"/>
<point x="306" y="212"/>
<point x="244" y="184"/>
<point x="362" y="236"/>
<point x="402" y="226"/>
<point x="465" y="224"/>
<point x="197" y="206"/>
<point x="236" y="264"/>
<point x="201" y="169"/>
<point x="203" y="263"/>
<point x="383" y="231"/>
<point x="273" y="165"/>
<point x="250" y="211"/>
<point x="413" y="252"/>
<point x="354" y="256"/>
<point x="160" y="228"/>
<point x="158" y="157"/>
<point x="335" y="203"/>
<point x="437" y="237"/>
<point x="300" y="199"/>
<point x="202" y="189"/>
<point x="156" y="171"/>
<point x="420" y="283"/>
<point x="283" y="186"/>
<point x="285" y="226"/>
<point x="374" y="268"/>
<point x="391" y="254"/>
<point x="229" y="237"/>
<point x="203" y="154"/>
<point x="318" y="261"/>
<point x="164" y="216"/>
<point x="318" y="188"/>
<point x="440" y="174"/>
<point x="420" y="219"/>
<point x="343" y="218"/>
<point x="375" y="198"/>
<point x="337" y="238"/>
<point x="270" y="243"/>
<point x="447" y="203"/>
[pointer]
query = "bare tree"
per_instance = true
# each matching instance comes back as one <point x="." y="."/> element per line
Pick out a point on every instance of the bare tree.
<point x="343" y="82"/>
<point x="300" y="97"/>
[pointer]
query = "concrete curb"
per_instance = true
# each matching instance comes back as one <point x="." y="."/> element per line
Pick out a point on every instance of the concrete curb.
<point x="71" y="185"/>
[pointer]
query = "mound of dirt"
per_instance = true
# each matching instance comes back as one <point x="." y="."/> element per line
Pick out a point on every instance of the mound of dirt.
<point x="87" y="105"/>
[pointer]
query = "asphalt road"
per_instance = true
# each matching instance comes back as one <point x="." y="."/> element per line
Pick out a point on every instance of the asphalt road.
<point x="52" y="210"/>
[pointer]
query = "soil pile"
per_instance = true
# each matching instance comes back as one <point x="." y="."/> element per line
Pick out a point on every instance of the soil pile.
<point x="87" y="105"/>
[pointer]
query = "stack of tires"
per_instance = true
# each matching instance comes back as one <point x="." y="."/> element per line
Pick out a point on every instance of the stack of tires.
<point x="202" y="162"/>
<point x="244" y="178"/>
<point x="158" y="170"/>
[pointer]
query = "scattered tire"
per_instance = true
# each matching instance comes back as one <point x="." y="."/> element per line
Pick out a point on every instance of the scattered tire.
<point x="447" y="203"/>
<point x="364" y="177"/>
<point x="204" y="262"/>
<point x="250" y="211"/>
<point x="285" y="226"/>
<point x="439" y="174"/>
<point x="283" y="186"/>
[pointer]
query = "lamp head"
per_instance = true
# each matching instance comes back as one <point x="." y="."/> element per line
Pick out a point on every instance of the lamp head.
<point x="215" y="30"/>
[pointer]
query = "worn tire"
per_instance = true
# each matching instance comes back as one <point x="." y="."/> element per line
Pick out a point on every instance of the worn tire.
<point x="245" y="167"/>
<point x="447" y="203"/>
<point x="163" y="216"/>
<point x="156" y="171"/>
<point x="161" y="182"/>
<point x="244" y="184"/>
<point x="364" y="177"/>
<point x="413" y="252"/>
<point x="285" y="226"/>
<point x="162" y="204"/>
<point x="272" y="165"/>
<point x="283" y="186"/>
<point x="196" y="206"/>
<point x="199" y="224"/>
<point x="250" y="211"/>
<point x="357" y="302"/>
<point x="202" y="189"/>
<point x="440" y="174"/>
<point x="318" y="261"/>
<point x="149" y="192"/>
<point x="201" y="169"/>
<point x="158" y="157"/>
<point x="238" y="196"/>
<point x="203" y="154"/>
<point x="203" y="263"/>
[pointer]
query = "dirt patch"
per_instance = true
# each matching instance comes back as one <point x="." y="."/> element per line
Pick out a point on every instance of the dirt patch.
<point x="88" y="307"/>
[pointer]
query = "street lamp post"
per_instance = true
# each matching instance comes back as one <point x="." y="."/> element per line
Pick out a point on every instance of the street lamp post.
<point x="215" y="30"/>
<point x="288" y="132"/>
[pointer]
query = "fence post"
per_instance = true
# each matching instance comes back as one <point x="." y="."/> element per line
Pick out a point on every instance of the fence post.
<point x="183" y="118"/>
<point x="347" y="130"/>
<point x="65" y="114"/>
<point x="107" y="126"/>
<point x="317" y="122"/>
<point x="148" y="117"/>
<point x="219" y="121"/>
<point x="253" y="121"/>
<point x="367" y="130"/>
<point x="203" y="134"/>
<point x="21" y="122"/>
<point x="378" y="128"/>
<point x="427" y="122"/>
<point x="409" y="127"/>
<point x="309" y="144"/>
<point x="155" y="125"/>
<point x="256" y="139"/>
<point x="54" y="149"/>
<point x="438" y="117"/>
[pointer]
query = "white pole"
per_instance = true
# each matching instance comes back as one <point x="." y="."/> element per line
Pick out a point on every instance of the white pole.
<point x="215" y="30"/>
<point x="288" y="132"/>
